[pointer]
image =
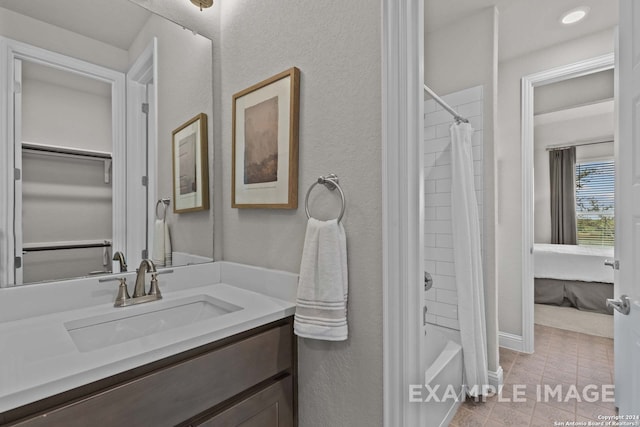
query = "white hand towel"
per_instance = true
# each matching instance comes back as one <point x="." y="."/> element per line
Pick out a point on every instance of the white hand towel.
<point x="160" y="239"/>
<point x="321" y="311"/>
<point x="168" y="257"/>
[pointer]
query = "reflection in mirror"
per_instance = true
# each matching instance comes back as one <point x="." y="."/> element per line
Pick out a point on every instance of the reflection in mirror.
<point x="92" y="163"/>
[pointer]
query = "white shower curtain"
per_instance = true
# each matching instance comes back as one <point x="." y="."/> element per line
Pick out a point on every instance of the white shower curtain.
<point x="468" y="260"/>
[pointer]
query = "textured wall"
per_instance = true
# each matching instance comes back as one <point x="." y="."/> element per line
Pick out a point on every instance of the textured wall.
<point x="336" y="46"/>
<point x="509" y="174"/>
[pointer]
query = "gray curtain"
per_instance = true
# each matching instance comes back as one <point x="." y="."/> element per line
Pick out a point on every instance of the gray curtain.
<point x="562" y="165"/>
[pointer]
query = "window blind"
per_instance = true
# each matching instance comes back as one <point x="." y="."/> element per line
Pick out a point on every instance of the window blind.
<point x="595" y="189"/>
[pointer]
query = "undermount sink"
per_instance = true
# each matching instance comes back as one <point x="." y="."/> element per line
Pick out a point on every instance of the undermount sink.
<point x="126" y="324"/>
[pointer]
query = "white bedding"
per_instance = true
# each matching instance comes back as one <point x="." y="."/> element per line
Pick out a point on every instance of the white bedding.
<point x="570" y="262"/>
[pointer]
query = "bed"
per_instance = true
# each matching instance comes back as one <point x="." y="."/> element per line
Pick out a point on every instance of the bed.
<point x="570" y="275"/>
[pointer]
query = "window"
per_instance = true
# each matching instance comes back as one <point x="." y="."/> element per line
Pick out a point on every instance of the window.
<point x="595" y="184"/>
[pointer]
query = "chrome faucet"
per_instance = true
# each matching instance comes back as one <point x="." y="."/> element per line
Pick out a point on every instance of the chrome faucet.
<point x="146" y="265"/>
<point x="119" y="256"/>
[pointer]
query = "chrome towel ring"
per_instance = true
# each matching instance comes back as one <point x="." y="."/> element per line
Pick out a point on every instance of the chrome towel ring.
<point x="331" y="182"/>
<point x="165" y="202"/>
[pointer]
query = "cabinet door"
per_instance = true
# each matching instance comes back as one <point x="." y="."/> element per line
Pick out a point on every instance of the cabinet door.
<point x="270" y="407"/>
<point x="171" y="395"/>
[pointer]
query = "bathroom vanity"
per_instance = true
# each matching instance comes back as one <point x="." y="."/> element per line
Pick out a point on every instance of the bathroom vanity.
<point x="222" y="354"/>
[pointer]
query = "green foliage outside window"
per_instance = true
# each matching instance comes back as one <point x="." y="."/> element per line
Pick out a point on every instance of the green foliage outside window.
<point x="595" y="186"/>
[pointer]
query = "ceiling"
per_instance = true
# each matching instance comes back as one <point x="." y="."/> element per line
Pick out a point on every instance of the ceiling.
<point x="116" y="23"/>
<point x="526" y="25"/>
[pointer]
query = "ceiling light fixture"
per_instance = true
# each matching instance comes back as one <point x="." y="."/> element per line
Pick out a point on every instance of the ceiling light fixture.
<point x="574" y="15"/>
<point x="202" y="3"/>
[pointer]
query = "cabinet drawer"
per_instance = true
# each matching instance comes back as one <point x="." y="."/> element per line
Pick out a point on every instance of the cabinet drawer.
<point x="174" y="394"/>
<point x="270" y="407"/>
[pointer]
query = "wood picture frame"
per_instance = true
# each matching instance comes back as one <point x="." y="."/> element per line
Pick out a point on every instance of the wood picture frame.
<point x="264" y="171"/>
<point x="189" y="148"/>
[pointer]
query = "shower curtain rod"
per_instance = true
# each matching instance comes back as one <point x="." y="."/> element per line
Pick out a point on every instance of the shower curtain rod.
<point x="578" y="144"/>
<point x="457" y="117"/>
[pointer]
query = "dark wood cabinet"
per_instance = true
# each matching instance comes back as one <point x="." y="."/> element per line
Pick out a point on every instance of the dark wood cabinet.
<point x="245" y="380"/>
<point x="269" y="407"/>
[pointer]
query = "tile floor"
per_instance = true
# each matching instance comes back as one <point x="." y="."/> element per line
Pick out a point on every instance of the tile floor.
<point x="562" y="358"/>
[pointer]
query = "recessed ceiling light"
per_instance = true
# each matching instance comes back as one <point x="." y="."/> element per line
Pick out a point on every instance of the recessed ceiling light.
<point x="574" y="15"/>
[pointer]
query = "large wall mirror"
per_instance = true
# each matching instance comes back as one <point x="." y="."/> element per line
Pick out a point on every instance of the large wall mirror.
<point x="91" y="92"/>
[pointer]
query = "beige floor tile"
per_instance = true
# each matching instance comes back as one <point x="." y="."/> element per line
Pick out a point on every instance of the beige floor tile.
<point x="550" y="413"/>
<point x="569" y="405"/>
<point x="593" y="356"/>
<point x="493" y="423"/>
<point x="524" y="377"/>
<point x="599" y="376"/>
<point x="568" y="358"/>
<point x="465" y="418"/>
<point x="561" y="366"/>
<point x="509" y="416"/>
<point x="543" y="329"/>
<point x="555" y="376"/>
<point x="529" y="365"/>
<point x="593" y="364"/>
<point x="525" y="405"/>
<point x="480" y="409"/>
<point x="537" y="422"/>
<point x="592" y="411"/>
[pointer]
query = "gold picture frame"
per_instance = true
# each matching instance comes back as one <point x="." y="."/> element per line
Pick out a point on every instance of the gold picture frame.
<point x="264" y="164"/>
<point x="190" y="166"/>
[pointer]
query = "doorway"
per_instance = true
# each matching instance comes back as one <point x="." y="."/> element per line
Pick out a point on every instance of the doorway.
<point x="530" y="84"/>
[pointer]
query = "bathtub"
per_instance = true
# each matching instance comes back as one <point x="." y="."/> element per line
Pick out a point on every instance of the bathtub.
<point x="444" y="369"/>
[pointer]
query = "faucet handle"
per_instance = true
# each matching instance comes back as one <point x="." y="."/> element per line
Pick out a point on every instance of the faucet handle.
<point x="123" y="292"/>
<point x="153" y="288"/>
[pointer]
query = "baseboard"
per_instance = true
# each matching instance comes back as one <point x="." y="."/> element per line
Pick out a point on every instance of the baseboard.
<point x="496" y="378"/>
<point x="454" y="408"/>
<point x="511" y="341"/>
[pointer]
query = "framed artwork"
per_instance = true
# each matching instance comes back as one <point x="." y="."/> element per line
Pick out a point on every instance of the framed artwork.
<point x="265" y="143"/>
<point x="190" y="166"/>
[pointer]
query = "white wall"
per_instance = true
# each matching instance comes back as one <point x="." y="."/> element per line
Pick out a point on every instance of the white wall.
<point x="583" y="90"/>
<point x="509" y="174"/>
<point x="57" y="115"/>
<point x="442" y="299"/>
<point x="337" y="49"/>
<point x="457" y="57"/>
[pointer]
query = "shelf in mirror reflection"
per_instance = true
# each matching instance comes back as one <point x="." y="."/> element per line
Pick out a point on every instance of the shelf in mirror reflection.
<point x="88" y="114"/>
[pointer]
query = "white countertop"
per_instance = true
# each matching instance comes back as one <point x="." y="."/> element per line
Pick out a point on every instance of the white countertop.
<point x="38" y="358"/>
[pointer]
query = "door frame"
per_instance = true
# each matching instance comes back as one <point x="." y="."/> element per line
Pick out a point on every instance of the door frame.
<point x="10" y="50"/>
<point x="142" y="159"/>
<point x="528" y="83"/>
<point x="402" y="208"/>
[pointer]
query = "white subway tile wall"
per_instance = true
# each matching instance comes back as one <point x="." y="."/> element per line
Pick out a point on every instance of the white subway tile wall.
<point x="441" y="300"/>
